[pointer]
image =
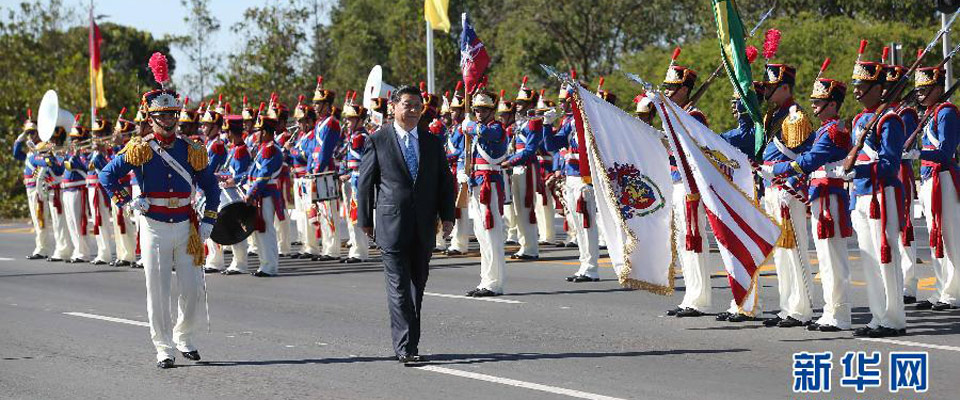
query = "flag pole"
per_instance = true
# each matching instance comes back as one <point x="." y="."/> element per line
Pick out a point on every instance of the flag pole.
<point x="93" y="88"/>
<point x="430" y="79"/>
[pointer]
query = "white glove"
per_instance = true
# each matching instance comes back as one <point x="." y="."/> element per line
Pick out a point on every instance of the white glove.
<point x="912" y="154"/>
<point x="139" y="205"/>
<point x="467" y="124"/>
<point x="783" y="197"/>
<point x="550" y="116"/>
<point x="462" y="177"/>
<point x="766" y="172"/>
<point x="205" y="231"/>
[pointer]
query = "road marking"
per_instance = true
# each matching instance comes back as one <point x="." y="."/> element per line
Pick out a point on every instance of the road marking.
<point x="110" y="319"/>
<point x="914" y="344"/>
<point x="17" y="230"/>
<point x="5" y="259"/>
<point x="455" y="296"/>
<point x="521" y="384"/>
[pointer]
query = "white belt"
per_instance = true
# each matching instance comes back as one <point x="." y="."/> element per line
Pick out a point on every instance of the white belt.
<point x="572" y="156"/>
<point x="831" y="170"/>
<point x="487" y="167"/>
<point x="67" y="185"/>
<point x="169" y="202"/>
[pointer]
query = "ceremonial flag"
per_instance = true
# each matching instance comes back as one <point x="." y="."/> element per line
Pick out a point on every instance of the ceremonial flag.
<point x="97" y="97"/>
<point x="633" y="189"/>
<point x="746" y="235"/>
<point x="435" y="12"/>
<point x="474" y="59"/>
<point x="733" y="52"/>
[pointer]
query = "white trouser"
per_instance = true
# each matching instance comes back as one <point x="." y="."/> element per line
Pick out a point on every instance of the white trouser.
<point x="105" y="238"/>
<point x="884" y="281"/>
<point x="252" y="244"/>
<point x="526" y="230"/>
<point x="125" y="236"/>
<point x="545" y="215"/>
<point x="908" y="261"/>
<point x="214" y="257"/>
<point x="696" y="277"/>
<point x="462" y="227"/>
<point x="328" y="215"/>
<point x="589" y="244"/>
<point x="301" y="205"/>
<point x="492" y="260"/>
<point x="945" y="269"/>
<point x="73" y="208"/>
<point x="164" y="246"/>
<point x="283" y="232"/>
<point x="793" y="265"/>
<point x="568" y="218"/>
<point x="440" y="240"/>
<point x="61" y="234"/>
<point x="834" y="268"/>
<point x="359" y="241"/>
<point x="42" y="223"/>
<point x="267" y="240"/>
<point x="510" y="222"/>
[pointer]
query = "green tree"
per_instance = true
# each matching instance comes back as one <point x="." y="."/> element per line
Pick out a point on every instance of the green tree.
<point x="203" y="24"/>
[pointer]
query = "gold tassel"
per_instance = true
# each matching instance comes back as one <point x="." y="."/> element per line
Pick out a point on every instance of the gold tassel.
<point x="137" y="152"/>
<point x="40" y="222"/>
<point x="788" y="239"/>
<point x="195" y="246"/>
<point x="197" y="156"/>
<point x="693" y="196"/>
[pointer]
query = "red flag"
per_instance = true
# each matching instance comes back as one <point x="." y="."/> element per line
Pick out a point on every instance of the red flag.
<point x="474" y="59"/>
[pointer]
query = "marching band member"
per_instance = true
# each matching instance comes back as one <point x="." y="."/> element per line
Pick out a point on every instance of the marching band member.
<point x="463" y="226"/>
<point x="941" y="187"/>
<point x="97" y="197"/>
<point x="249" y="117"/>
<point x="829" y="201"/>
<point x="527" y="135"/>
<point x="282" y="137"/>
<point x="321" y="159"/>
<point x="578" y="192"/>
<point x="559" y="164"/>
<point x="237" y="169"/>
<point x="34" y="179"/>
<point x="876" y="214"/>
<point x="300" y="150"/>
<point x="211" y="123"/>
<point x="791" y="135"/>
<point x="545" y="203"/>
<point x="53" y="165"/>
<point x="264" y="192"/>
<point x="431" y="117"/>
<point x="189" y="126"/>
<point x="124" y="229"/>
<point x="169" y="169"/>
<point x="486" y="192"/>
<point x="356" y="136"/>
<point x="75" y="193"/>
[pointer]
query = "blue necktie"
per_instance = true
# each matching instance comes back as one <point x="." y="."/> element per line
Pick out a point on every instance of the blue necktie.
<point x="410" y="156"/>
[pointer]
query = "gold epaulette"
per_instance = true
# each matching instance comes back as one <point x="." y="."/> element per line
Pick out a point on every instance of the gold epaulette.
<point x="796" y="128"/>
<point x="137" y="152"/>
<point x="196" y="155"/>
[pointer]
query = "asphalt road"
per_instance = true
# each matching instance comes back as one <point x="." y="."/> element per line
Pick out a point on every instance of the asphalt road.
<point x="320" y="330"/>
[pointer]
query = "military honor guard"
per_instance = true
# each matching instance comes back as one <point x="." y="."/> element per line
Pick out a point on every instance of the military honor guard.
<point x="97" y="200"/>
<point x="300" y="148"/>
<point x="169" y="170"/>
<point x="327" y="140"/>
<point x="74" y="186"/>
<point x="545" y="203"/>
<point x="124" y="227"/>
<point x="264" y="192"/>
<point x="829" y="202"/>
<point x="463" y="226"/>
<point x="878" y="198"/>
<point x="356" y="138"/>
<point x="940" y="187"/>
<point x="526" y="139"/>
<point x="35" y="181"/>
<point x="235" y="174"/>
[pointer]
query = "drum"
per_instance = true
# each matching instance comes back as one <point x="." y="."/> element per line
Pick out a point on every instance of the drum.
<point x="235" y="218"/>
<point x="328" y="186"/>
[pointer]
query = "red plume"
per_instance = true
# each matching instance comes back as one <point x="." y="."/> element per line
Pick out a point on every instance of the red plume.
<point x="226" y="108"/>
<point x="573" y="73"/>
<point x="186" y="100"/>
<point x="823" y="67"/>
<point x="300" y="99"/>
<point x="886" y="52"/>
<point x="158" y="64"/>
<point x="502" y="92"/>
<point x="244" y="100"/>
<point x="752" y="54"/>
<point x="523" y="83"/>
<point x="446" y="94"/>
<point x="76" y="120"/>
<point x="30" y="114"/>
<point x="423" y="86"/>
<point x="354" y="97"/>
<point x="771" y="43"/>
<point x="319" y="80"/>
<point x="459" y="86"/>
<point x="122" y="111"/>
<point x="863" y="46"/>
<point x="919" y="53"/>
<point x="676" y="54"/>
<point x="600" y="86"/>
<point x="262" y="105"/>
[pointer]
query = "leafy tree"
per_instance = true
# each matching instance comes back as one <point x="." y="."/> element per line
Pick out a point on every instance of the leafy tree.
<point x="203" y="24"/>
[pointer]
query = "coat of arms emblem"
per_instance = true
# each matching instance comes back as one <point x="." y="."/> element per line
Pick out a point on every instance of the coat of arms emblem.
<point x="636" y="194"/>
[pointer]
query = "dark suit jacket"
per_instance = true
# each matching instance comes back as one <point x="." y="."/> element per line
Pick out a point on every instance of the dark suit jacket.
<point x="404" y="208"/>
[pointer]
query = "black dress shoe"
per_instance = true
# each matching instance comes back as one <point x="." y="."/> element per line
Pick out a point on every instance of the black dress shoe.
<point x="251" y="254"/>
<point x="674" y="311"/>
<point x="923" y="305"/>
<point x="941" y="306"/>
<point x="741" y="318"/>
<point x="909" y="299"/>
<point x="472" y="292"/>
<point x="560" y="244"/>
<point x="122" y="263"/>
<point x="98" y="262"/>
<point x="543" y="243"/>
<point x="261" y="274"/>
<point x="453" y="253"/>
<point x="829" y="328"/>
<point x="584" y="278"/>
<point x="76" y="261"/>
<point x="231" y="272"/>
<point x="512" y="242"/>
<point x="326" y="258"/>
<point x="604" y="247"/>
<point x="486" y="293"/>
<point x="352" y="260"/>
<point x="689" y="312"/>
<point x="882" y="332"/>
<point x="137" y="265"/>
<point x="790" y="322"/>
<point x="191" y="355"/>
<point x="862" y="331"/>
<point x="297" y="243"/>
<point x="282" y="255"/>
<point x="35" y="257"/>
<point x="210" y="270"/>
<point x="571" y="244"/>
<point x="813" y="326"/>
<point x="407" y="361"/>
<point x="165" y="364"/>
<point x="772" y="322"/>
<point x="723" y="316"/>
<point x="54" y="259"/>
<point x="524" y="257"/>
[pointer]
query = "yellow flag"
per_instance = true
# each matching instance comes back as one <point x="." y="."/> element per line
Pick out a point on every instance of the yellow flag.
<point x="435" y="11"/>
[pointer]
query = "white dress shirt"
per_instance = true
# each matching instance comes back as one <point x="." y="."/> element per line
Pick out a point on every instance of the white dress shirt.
<point x="403" y="136"/>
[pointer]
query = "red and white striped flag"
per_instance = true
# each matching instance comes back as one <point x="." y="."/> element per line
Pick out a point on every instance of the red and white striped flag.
<point x="745" y="233"/>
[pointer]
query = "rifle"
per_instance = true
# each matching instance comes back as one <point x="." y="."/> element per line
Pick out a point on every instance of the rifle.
<point x="894" y="93"/>
<point x="929" y="114"/>
<point x="463" y="196"/>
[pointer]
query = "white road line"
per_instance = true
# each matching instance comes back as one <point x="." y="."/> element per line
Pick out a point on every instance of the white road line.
<point x="914" y="344"/>
<point x="5" y="259"/>
<point x="455" y="296"/>
<point x="111" y="319"/>
<point x="521" y="384"/>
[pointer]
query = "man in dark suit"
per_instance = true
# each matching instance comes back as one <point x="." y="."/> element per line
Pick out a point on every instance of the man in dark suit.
<point x="404" y="175"/>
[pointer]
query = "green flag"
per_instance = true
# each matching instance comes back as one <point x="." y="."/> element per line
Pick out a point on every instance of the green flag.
<point x="733" y="47"/>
